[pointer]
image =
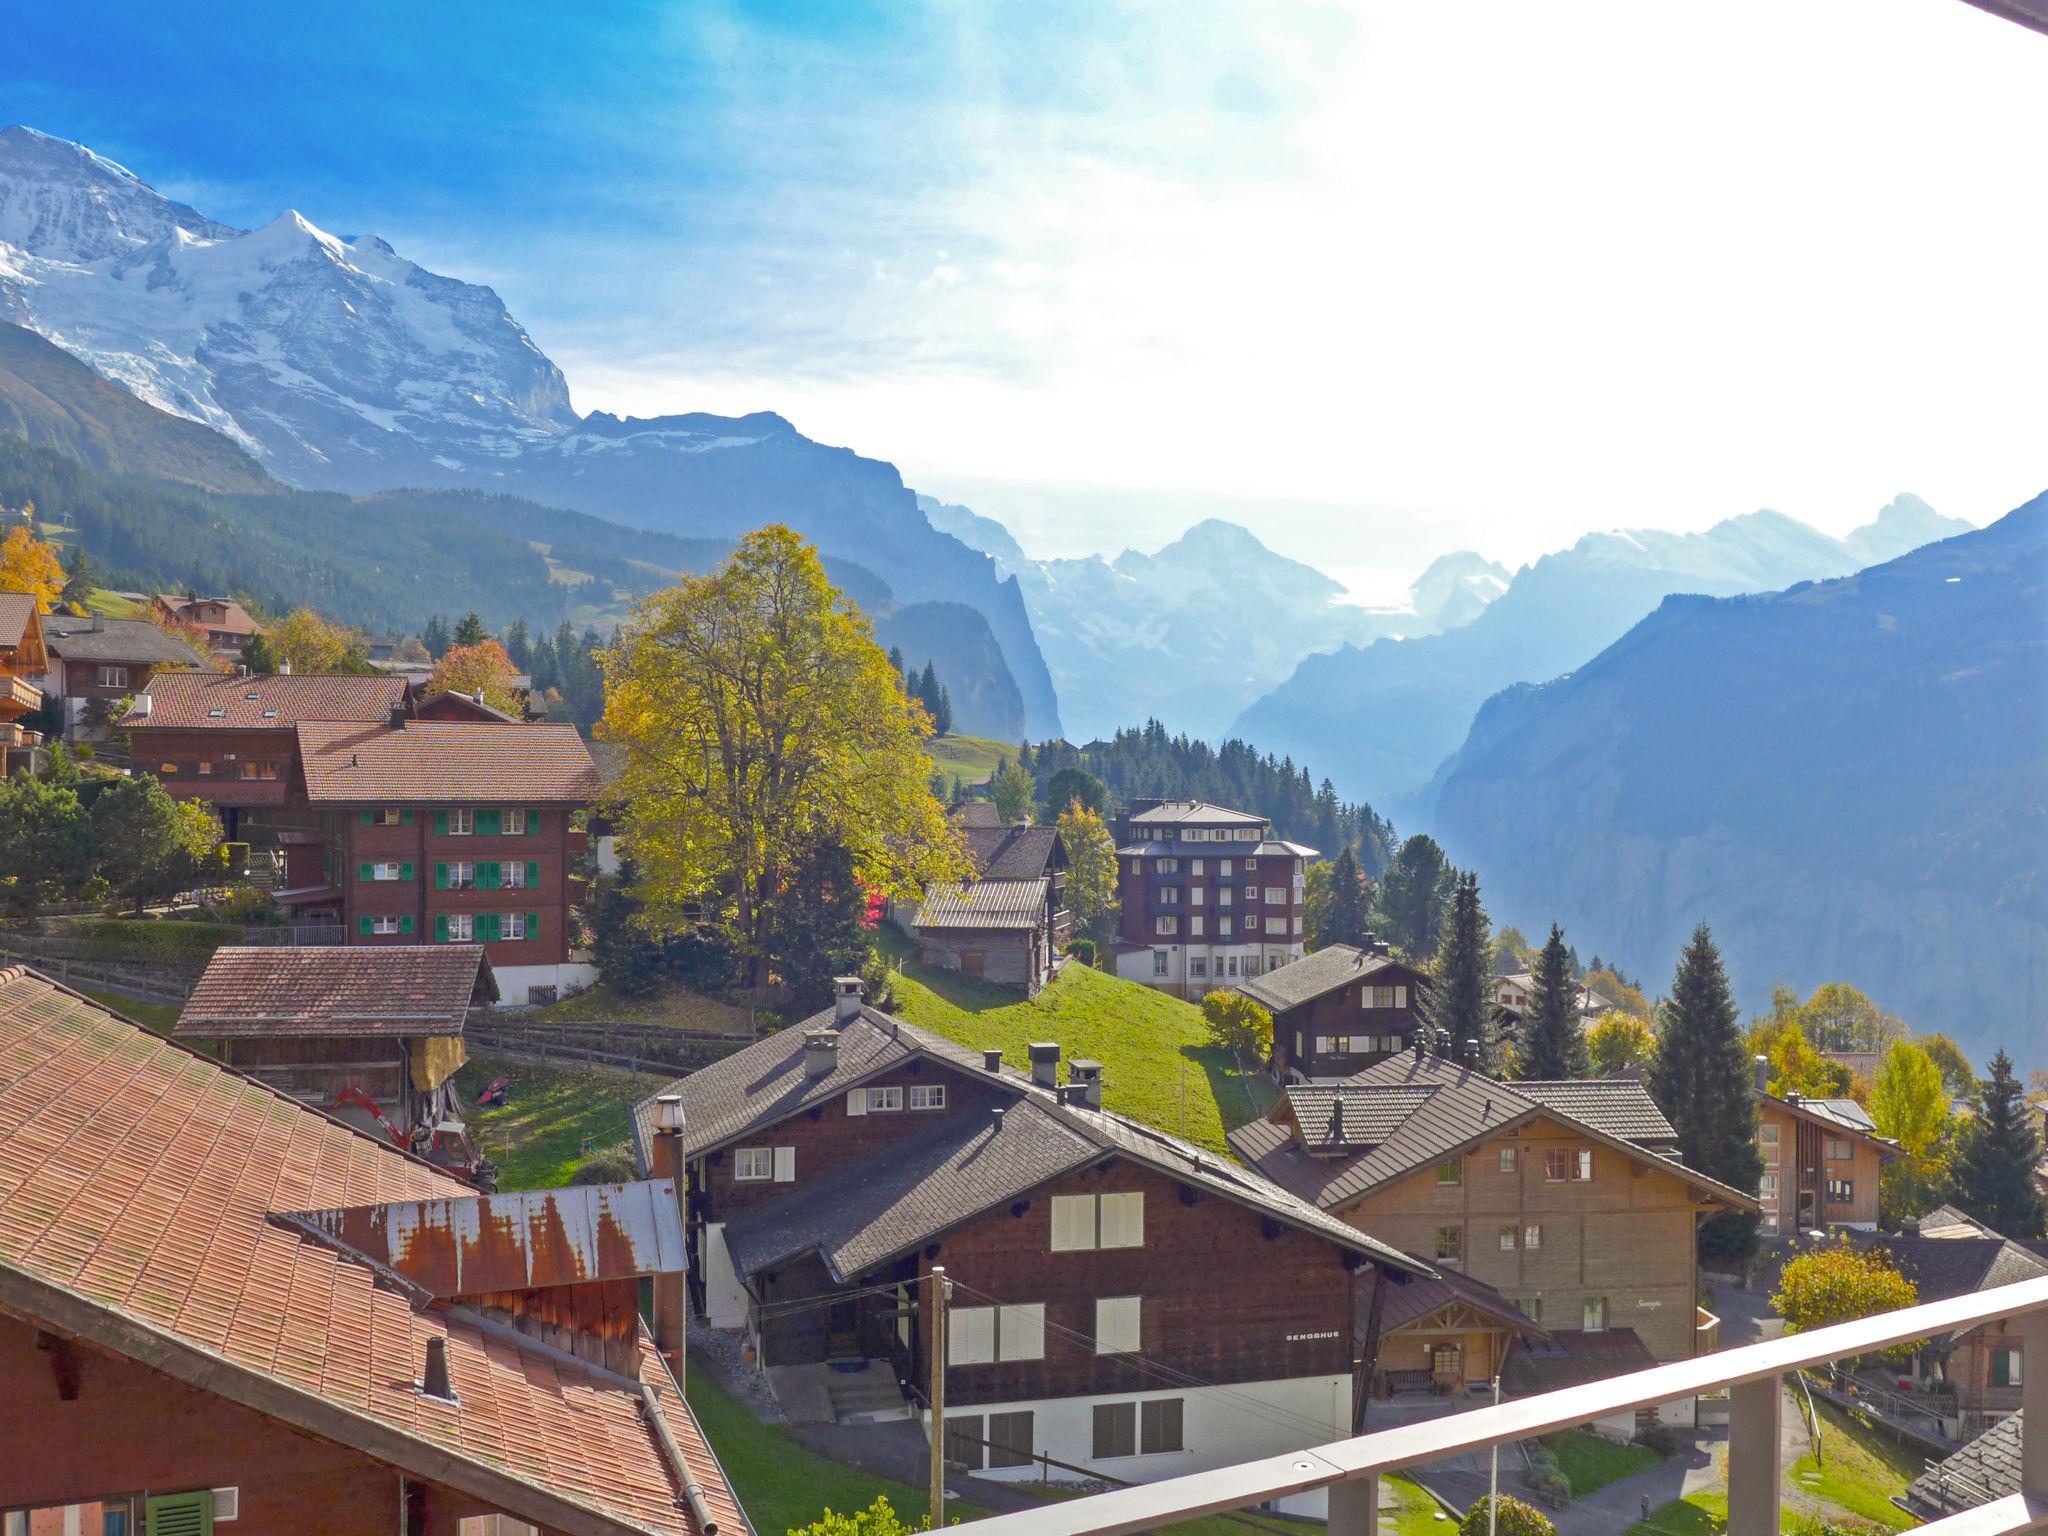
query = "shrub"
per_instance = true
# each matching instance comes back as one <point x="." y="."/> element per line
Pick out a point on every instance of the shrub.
<point x="1083" y="950"/>
<point x="1517" y="1518"/>
<point x="1837" y="1283"/>
<point x="110" y="938"/>
<point x="249" y="907"/>
<point x="1238" y="1024"/>
<point x="612" y="1165"/>
<point x="878" y="982"/>
<point x="878" y="1519"/>
<point x="1661" y="1438"/>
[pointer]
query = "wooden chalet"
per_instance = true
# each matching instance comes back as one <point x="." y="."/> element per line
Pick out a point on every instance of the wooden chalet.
<point x="23" y="661"/>
<point x="1010" y="921"/>
<point x="1339" y="1010"/>
<point x="1822" y="1162"/>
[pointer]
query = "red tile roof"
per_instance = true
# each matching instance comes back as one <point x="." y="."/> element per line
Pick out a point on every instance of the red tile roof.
<point x="224" y="702"/>
<point x="231" y="619"/>
<point x="358" y="990"/>
<point x="452" y="760"/>
<point x="139" y="1190"/>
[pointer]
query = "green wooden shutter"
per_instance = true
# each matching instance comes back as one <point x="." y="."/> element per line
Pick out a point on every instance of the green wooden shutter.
<point x="440" y="877"/>
<point x="533" y="819"/>
<point x="405" y="817"/>
<point x="488" y="874"/>
<point x="533" y="925"/>
<point x="487" y="926"/>
<point x="441" y="928"/>
<point x="532" y="873"/>
<point x="405" y="923"/>
<point x="405" y="871"/>
<point x="440" y="823"/>
<point x="363" y="926"/>
<point x="487" y="823"/>
<point x="363" y="818"/>
<point x="366" y="872"/>
<point x="179" y="1514"/>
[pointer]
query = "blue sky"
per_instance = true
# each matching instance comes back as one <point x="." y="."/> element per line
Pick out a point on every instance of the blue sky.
<point x="1378" y="280"/>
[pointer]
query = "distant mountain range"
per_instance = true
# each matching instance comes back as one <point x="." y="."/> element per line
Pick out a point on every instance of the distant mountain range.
<point x="338" y="365"/>
<point x="1382" y="716"/>
<point x="1848" y="780"/>
<point x="1195" y="631"/>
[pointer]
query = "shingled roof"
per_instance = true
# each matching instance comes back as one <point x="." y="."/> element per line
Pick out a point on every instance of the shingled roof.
<point x="357" y="990"/>
<point x="1986" y="1469"/>
<point x="141" y="1194"/>
<point x="446" y="760"/>
<point x="1328" y="970"/>
<point x="134" y="641"/>
<point x="188" y="701"/>
<point x="1013" y="853"/>
<point x="16" y="610"/>
<point x="984" y="904"/>
<point x="1461" y="1107"/>
<point x="1620" y="1106"/>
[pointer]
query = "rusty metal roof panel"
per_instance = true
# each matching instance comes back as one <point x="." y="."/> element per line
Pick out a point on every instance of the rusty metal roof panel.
<point x="516" y="1241"/>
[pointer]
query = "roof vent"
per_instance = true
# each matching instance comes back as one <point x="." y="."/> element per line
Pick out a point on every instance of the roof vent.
<point x="1763" y="1074"/>
<point x="995" y="1118"/>
<point x="434" y="1380"/>
<point x="821" y="1052"/>
<point x="284" y="668"/>
<point x="1471" y="1052"/>
<point x="1421" y="1042"/>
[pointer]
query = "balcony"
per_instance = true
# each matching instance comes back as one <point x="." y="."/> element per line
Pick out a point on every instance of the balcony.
<point x="1753" y="1377"/>
<point x="18" y="697"/>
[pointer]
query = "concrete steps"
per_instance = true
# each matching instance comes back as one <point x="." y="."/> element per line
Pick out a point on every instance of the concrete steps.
<point x="867" y="1394"/>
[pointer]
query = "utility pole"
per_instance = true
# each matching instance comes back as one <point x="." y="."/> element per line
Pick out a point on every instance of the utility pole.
<point x="938" y="1393"/>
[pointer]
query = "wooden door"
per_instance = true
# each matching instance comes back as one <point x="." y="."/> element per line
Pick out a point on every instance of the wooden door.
<point x="970" y="962"/>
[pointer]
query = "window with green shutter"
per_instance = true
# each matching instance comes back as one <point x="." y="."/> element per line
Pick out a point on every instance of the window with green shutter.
<point x="363" y="926"/>
<point x="405" y="923"/>
<point x="363" y="818"/>
<point x="440" y="877"/>
<point x="532" y="873"/>
<point x="405" y="817"/>
<point x="488" y="927"/>
<point x="533" y="819"/>
<point x="365" y="872"/>
<point x="441" y="928"/>
<point x="440" y="823"/>
<point x="487" y="823"/>
<point x="533" y="925"/>
<point x="405" y="871"/>
<point x="179" y="1514"/>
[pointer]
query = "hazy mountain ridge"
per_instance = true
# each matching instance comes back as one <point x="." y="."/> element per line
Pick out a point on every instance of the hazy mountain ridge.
<point x="1384" y="715"/>
<point x="340" y="365"/>
<point x="1846" y="779"/>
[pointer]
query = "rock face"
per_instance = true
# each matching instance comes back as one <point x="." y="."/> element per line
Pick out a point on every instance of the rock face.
<point x="1383" y="716"/>
<point x="1845" y="780"/>
<point x="339" y="365"/>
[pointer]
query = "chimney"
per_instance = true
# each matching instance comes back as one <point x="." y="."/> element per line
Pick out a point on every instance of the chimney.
<point x="1792" y="1098"/>
<point x="139" y="709"/>
<point x="847" y="992"/>
<point x="396" y="719"/>
<point x="1421" y="1043"/>
<point x="821" y="1051"/>
<point x="1763" y="1074"/>
<point x="1045" y="1062"/>
<point x="1910" y="1226"/>
<point x="284" y="668"/>
<point x="1472" y="1053"/>
<point x="434" y="1381"/>
<point x="1443" y="1044"/>
<point x="991" y="1061"/>
<point x="98" y="624"/>
<point x="995" y="1118"/>
<point x="1087" y="1075"/>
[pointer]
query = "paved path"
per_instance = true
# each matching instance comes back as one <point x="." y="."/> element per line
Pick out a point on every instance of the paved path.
<point x="898" y="1450"/>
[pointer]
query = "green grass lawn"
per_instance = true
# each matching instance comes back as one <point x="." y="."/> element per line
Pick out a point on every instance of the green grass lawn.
<point x="1859" y="1469"/>
<point x="159" y="1017"/>
<point x="1697" y="1514"/>
<point x="672" y="1005"/>
<point x="554" y="1110"/>
<point x="969" y="758"/>
<point x="1416" y="1511"/>
<point x="783" y="1486"/>
<point x="1591" y="1461"/>
<point x="1157" y="1063"/>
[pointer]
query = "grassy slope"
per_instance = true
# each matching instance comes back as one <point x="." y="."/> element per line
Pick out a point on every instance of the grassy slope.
<point x="1592" y="1461"/>
<point x="555" y="1109"/>
<point x="677" y="1006"/>
<point x="158" y="1017"/>
<point x="1859" y="1469"/>
<point x="1416" y="1512"/>
<point x="973" y="758"/>
<point x="1157" y="1063"/>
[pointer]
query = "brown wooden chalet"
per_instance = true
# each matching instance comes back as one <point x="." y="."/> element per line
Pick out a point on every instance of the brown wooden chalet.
<point x="218" y="1304"/>
<point x="1339" y="1010"/>
<point x="1099" y="1266"/>
<point x="1566" y="1198"/>
<point x="23" y="661"/>
<point x="1822" y="1162"/>
<point x="1010" y="921"/>
<point x="372" y="1036"/>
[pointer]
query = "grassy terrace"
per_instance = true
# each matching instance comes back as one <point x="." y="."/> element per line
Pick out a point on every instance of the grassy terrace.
<point x="973" y="758"/>
<point x="555" y="1110"/>
<point x="1590" y="1462"/>
<point x="157" y="1017"/>
<point x="677" y="1007"/>
<point x="1157" y="1063"/>
<point x="1858" y="1469"/>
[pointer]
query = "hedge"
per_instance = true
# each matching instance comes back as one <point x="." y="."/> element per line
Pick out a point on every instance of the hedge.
<point x="114" y="939"/>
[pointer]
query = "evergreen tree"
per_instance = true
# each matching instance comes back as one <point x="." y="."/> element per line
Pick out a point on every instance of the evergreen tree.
<point x="2001" y="1150"/>
<point x="435" y="637"/>
<point x="928" y="690"/>
<point x="519" y="646"/>
<point x="471" y="631"/>
<point x="1414" y="895"/>
<point x="896" y="658"/>
<point x="942" y="719"/>
<point x="1458" y="1001"/>
<point x="1348" y="912"/>
<point x="815" y="927"/>
<point x="79" y="582"/>
<point x="1553" y="1046"/>
<point x="1703" y="1080"/>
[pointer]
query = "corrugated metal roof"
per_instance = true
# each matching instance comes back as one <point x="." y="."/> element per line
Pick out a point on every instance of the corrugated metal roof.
<point x="140" y="1181"/>
<point x="518" y="1240"/>
<point x="396" y="990"/>
<point x="1008" y="904"/>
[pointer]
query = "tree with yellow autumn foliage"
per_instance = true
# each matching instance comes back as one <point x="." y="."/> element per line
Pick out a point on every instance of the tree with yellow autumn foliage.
<point x="483" y="667"/>
<point x="29" y="564"/>
<point x="756" y="719"/>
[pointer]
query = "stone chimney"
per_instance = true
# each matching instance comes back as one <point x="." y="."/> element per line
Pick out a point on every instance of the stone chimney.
<point x="821" y="1051"/>
<point x="1087" y="1075"/>
<point x="1763" y="1074"/>
<point x="991" y="1061"/>
<point x="847" y="993"/>
<point x="1045" y="1062"/>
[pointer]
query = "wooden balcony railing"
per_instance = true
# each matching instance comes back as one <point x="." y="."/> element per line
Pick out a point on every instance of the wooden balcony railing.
<point x="1753" y="1376"/>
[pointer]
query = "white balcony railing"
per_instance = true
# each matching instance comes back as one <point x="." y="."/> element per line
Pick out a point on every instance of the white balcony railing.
<point x="1753" y="1375"/>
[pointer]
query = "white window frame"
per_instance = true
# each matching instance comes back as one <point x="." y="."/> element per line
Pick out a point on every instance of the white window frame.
<point x="461" y="821"/>
<point x="462" y="874"/>
<point x="1198" y="965"/>
<point x="1224" y="927"/>
<point x="1195" y="925"/>
<point x="113" y="677"/>
<point x="1276" y="927"/>
<point x="1532" y="1236"/>
<point x="1119" y="1325"/>
<point x="1223" y="896"/>
<point x="1507" y="1159"/>
<point x="1166" y="866"/>
<point x="512" y="874"/>
<point x="928" y="1096"/>
<point x="1275" y="895"/>
<point x="461" y="928"/>
<point x="885" y="1100"/>
<point x="1507" y="1238"/>
<point x="1194" y="866"/>
<point x="1170" y="896"/>
<point x="1159" y="963"/>
<point x="388" y="869"/>
<point x="1223" y="868"/>
<point x="512" y="821"/>
<point x="1588" y="1314"/>
<point x="512" y="925"/>
<point x="386" y="816"/>
<point x="753" y="1165"/>
<point x="386" y="923"/>
<point x="1166" y="926"/>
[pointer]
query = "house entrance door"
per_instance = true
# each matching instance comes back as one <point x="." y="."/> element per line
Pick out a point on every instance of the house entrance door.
<point x="1809" y="1210"/>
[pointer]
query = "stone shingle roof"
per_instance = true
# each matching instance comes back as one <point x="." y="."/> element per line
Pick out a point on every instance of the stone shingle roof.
<point x="1006" y="904"/>
<point x="218" y="701"/>
<point x="1986" y="1469"/>
<point x="1620" y="1106"/>
<point x="1013" y="853"/>
<point x="1334" y="1120"/>
<point x="140" y="1186"/>
<point x="446" y="760"/>
<point x="1571" y="1358"/>
<point x="1319" y="974"/>
<point x="1944" y="1266"/>
<point x="117" y="640"/>
<point x="355" y="990"/>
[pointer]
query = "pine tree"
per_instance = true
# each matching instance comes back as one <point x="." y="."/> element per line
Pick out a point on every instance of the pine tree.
<point x="1347" y="916"/>
<point x="79" y="581"/>
<point x="943" y="719"/>
<point x="1553" y="1045"/>
<point x="1458" y="1002"/>
<point x="435" y="637"/>
<point x="1703" y="1080"/>
<point x="928" y="690"/>
<point x="896" y="658"/>
<point x="519" y="646"/>
<point x="1413" y="895"/>
<point x="471" y="631"/>
<point x="2001" y="1150"/>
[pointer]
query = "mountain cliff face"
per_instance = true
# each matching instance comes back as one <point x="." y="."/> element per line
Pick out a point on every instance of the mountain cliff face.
<point x="1847" y="781"/>
<point x="339" y="365"/>
<point x="1386" y="714"/>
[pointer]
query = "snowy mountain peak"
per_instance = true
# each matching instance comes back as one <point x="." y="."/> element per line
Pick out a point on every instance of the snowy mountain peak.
<point x="334" y="360"/>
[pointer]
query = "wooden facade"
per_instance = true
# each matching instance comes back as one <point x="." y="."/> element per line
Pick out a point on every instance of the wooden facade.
<point x="1817" y="1173"/>
<point x="1348" y="1029"/>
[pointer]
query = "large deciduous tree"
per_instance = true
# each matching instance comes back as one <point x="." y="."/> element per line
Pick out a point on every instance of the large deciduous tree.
<point x="1552" y="1044"/>
<point x="1909" y="1103"/>
<point x="2000" y="1153"/>
<point x="148" y="846"/>
<point x="1091" y="865"/>
<point x="309" y="644"/>
<point x="1014" y="790"/>
<point x="1459" y="1000"/>
<point x="756" y="719"/>
<point x="28" y="564"/>
<point x="1619" y="1042"/>
<point x="1702" y="1079"/>
<point x="45" y="840"/>
<point x="1072" y="783"/>
<point x="484" y="668"/>
<point x="1415" y="894"/>
<point x="1839" y="1283"/>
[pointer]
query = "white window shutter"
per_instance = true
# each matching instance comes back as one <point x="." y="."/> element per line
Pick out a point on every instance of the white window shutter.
<point x="1400" y="997"/>
<point x="970" y="1335"/>
<point x="1021" y="1331"/>
<point x="785" y="1165"/>
<point x="856" y="1101"/>
<point x="1123" y="1221"/>
<point x="1117" y="1325"/>
<point x="1073" y="1223"/>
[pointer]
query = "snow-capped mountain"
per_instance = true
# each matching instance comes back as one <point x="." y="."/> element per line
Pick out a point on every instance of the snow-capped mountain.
<point x="340" y="365"/>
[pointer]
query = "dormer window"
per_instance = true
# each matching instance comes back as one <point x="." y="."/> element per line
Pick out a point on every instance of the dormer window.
<point x="216" y="714"/>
